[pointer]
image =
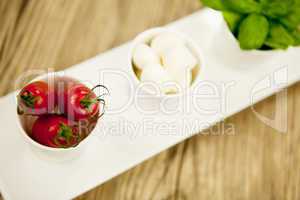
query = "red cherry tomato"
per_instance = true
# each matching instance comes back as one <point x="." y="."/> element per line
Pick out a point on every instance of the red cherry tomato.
<point x="79" y="102"/>
<point x="36" y="98"/>
<point x="55" y="131"/>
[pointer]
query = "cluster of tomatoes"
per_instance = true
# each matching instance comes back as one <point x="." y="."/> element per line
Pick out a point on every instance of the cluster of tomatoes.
<point x="58" y="111"/>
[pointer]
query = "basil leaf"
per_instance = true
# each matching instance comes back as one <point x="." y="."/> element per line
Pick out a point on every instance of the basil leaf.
<point x="243" y="6"/>
<point x="233" y="20"/>
<point x="292" y="20"/>
<point x="279" y="37"/>
<point x="253" y="31"/>
<point x="296" y="35"/>
<point x="276" y="8"/>
<point x="215" y="4"/>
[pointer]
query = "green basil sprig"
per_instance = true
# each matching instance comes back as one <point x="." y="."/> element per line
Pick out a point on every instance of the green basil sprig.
<point x="261" y="24"/>
<point x="253" y="31"/>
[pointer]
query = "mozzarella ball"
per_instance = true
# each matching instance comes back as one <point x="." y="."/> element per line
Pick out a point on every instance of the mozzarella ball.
<point x="162" y="43"/>
<point x="185" y="80"/>
<point x="158" y="75"/>
<point x="183" y="77"/>
<point x="179" y="57"/>
<point x="143" y="55"/>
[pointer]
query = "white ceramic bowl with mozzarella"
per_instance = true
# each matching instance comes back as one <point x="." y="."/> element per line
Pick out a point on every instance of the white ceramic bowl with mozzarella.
<point x="165" y="58"/>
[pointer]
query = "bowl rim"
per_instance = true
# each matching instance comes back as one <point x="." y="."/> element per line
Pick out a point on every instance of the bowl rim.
<point x="192" y="45"/>
<point x="44" y="147"/>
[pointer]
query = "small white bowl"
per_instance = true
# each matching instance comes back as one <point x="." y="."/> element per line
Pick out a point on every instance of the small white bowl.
<point x="49" y="153"/>
<point x="146" y="37"/>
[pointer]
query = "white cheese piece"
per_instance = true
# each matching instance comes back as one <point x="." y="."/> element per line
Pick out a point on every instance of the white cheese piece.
<point x="181" y="76"/>
<point x="157" y="74"/>
<point x="162" y="43"/>
<point x="179" y="57"/>
<point x="186" y="80"/>
<point x="143" y="55"/>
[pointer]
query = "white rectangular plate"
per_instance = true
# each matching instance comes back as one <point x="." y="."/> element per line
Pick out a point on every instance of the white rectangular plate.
<point x="122" y="140"/>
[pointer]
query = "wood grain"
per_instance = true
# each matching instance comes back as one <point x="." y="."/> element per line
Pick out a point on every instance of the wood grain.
<point x="251" y="161"/>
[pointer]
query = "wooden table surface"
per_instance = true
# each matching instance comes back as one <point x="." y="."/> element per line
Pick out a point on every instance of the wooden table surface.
<point x="253" y="161"/>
